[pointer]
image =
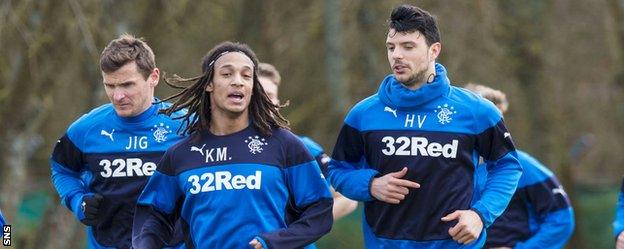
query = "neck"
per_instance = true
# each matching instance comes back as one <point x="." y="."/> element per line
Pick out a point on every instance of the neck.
<point x="222" y="123"/>
<point x="146" y="106"/>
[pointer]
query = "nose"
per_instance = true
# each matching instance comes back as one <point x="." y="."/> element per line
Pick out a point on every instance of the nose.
<point x="397" y="54"/>
<point x="237" y="80"/>
<point x="118" y="95"/>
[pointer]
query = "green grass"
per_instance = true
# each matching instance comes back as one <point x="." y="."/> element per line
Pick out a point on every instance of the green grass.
<point x="595" y="209"/>
<point x="346" y="233"/>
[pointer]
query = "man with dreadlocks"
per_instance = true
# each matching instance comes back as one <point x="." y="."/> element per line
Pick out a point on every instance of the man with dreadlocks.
<point x="240" y="179"/>
<point x="101" y="164"/>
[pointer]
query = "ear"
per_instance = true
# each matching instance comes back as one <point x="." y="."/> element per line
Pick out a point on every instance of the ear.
<point x="209" y="87"/>
<point x="154" y="77"/>
<point x="434" y="51"/>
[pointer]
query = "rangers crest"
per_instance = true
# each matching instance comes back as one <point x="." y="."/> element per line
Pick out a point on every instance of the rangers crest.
<point x="255" y="144"/>
<point x="160" y="132"/>
<point x="445" y="113"/>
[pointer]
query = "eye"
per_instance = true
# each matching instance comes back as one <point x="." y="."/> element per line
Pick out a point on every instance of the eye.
<point x="390" y="49"/>
<point x="247" y="76"/>
<point x="227" y="74"/>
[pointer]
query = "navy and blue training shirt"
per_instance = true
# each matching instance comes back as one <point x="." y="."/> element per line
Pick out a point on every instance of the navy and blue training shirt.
<point x="231" y="189"/>
<point x="317" y="152"/>
<point x="114" y="156"/>
<point x="438" y="132"/>
<point x="539" y="215"/>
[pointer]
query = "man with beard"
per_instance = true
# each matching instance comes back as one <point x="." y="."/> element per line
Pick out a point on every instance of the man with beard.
<point x="410" y="151"/>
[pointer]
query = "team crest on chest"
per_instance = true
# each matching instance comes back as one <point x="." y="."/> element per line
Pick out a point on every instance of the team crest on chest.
<point x="445" y="113"/>
<point x="160" y="132"/>
<point x="255" y="144"/>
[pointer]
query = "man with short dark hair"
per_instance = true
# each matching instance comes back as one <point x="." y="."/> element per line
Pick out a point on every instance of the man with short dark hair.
<point x="101" y="164"/>
<point x="409" y="152"/>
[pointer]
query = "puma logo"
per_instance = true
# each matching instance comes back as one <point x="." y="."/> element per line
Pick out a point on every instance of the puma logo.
<point x="200" y="150"/>
<point x="388" y="109"/>
<point x="109" y="135"/>
<point x="507" y="134"/>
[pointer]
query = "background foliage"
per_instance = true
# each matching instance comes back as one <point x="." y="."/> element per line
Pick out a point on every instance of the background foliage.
<point x="561" y="63"/>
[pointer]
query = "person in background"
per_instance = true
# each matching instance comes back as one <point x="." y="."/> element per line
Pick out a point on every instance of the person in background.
<point x="618" y="222"/>
<point x="271" y="81"/>
<point x="540" y="214"/>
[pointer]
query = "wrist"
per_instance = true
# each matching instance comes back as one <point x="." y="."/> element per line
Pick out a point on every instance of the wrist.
<point x="75" y="204"/>
<point x="261" y="240"/>
<point x="370" y="187"/>
<point x="478" y="214"/>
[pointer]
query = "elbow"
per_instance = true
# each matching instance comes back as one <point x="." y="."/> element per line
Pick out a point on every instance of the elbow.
<point x="327" y="222"/>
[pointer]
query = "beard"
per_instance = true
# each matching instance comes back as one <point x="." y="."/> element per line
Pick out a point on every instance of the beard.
<point x="419" y="77"/>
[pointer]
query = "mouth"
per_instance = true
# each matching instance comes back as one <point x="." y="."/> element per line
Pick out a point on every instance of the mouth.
<point x="122" y="105"/>
<point x="399" y="68"/>
<point x="236" y="97"/>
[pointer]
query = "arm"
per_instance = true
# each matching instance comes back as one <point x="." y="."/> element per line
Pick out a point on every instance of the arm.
<point x="550" y="205"/>
<point x="346" y="169"/>
<point x="554" y="232"/>
<point x="310" y="195"/>
<point x="156" y="211"/>
<point x="343" y="206"/>
<point x="66" y="165"/>
<point x="618" y="223"/>
<point x="504" y="171"/>
<point x="2" y="221"/>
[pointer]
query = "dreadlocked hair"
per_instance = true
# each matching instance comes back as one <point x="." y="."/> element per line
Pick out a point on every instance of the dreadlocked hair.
<point x="263" y="113"/>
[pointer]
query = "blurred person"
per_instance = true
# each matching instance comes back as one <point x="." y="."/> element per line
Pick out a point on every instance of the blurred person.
<point x="618" y="222"/>
<point x="103" y="161"/>
<point x="241" y="179"/>
<point x="409" y="152"/>
<point x="270" y="79"/>
<point x="2" y="220"/>
<point x="539" y="214"/>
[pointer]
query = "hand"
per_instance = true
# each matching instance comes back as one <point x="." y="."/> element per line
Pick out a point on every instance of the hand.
<point x="90" y="207"/>
<point x="255" y="244"/>
<point x="619" y="243"/>
<point x="391" y="188"/>
<point x="468" y="227"/>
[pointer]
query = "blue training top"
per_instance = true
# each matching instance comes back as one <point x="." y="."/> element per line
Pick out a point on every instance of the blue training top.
<point x="438" y="132"/>
<point x="231" y="189"/>
<point x="317" y="152"/>
<point x="114" y="156"/>
<point x="2" y="221"/>
<point x="539" y="214"/>
<point x="618" y="222"/>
